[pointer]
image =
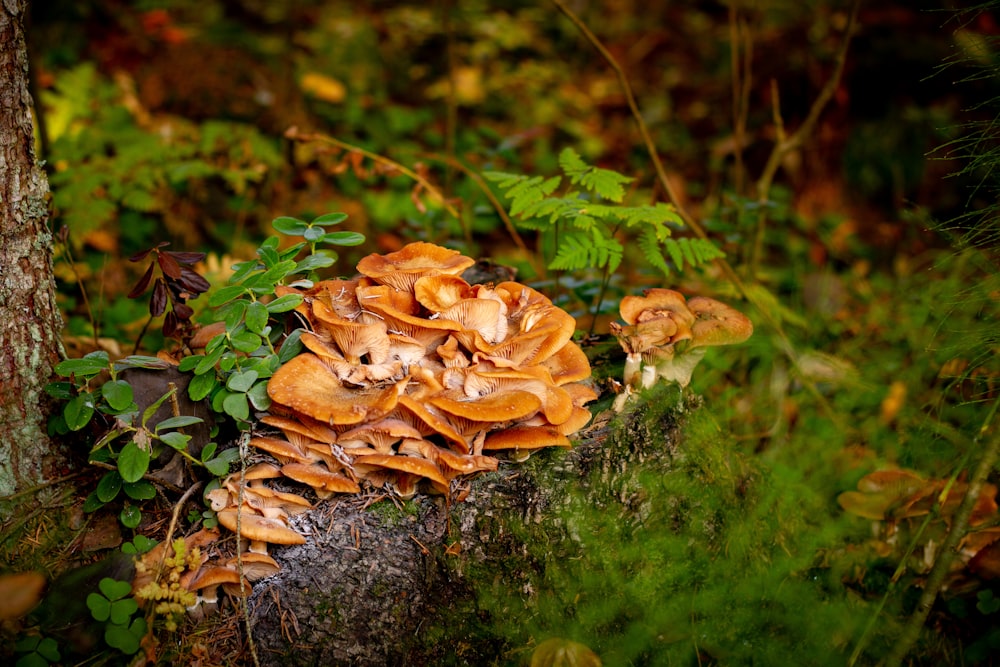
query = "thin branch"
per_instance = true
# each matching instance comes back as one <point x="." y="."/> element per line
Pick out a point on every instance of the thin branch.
<point x="295" y="135"/>
<point x="786" y="145"/>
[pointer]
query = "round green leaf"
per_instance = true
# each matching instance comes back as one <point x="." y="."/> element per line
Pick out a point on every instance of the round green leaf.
<point x="109" y="486"/>
<point x="241" y="381"/>
<point x="209" y="361"/>
<point x="176" y="439"/>
<point x="141" y="490"/>
<point x="236" y="406"/>
<point x="256" y="317"/>
<point x="130" y="517"/>
<point x="99" y="606"/>
<point x="227" y="362"/>
<point x="188" y="364"/>
<point x="85" y="366"/>
<point x="245" y="341"/>
<point x="117" y="393"/>
<point x="313" y="234"/>
<point x="125" y="638"/>
<point x="64" y="390"/>
<point x="114" y="589"/>
<point x="259" y="397"/>
<point x="133" y="462"/>
<point x="290" y="226"/>
<point x="78" y="411"/>
<point x="92" y="503"/>
<point x="218" y="467"/>
<point x="201" y="386"/>
<point x="233" y="313"/>
<point x="313" y="262"/>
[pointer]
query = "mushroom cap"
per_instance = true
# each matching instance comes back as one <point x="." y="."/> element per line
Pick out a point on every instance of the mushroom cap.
<point x="381" y="434"/>
<point x="438" y="293"/>
<point x="319" y="478"/>
<point x="568" y="364"/>
<point x="488" y="317"/>
<point x="496" y="407"/>
<point x="258" y="528"/>
<point x="255" y="566"/>
<point x="526" y="438"/>
<point x="717" y="323"/>
<point x="307" y="385"/>
<point x="412" y="465"/>
<point x="214" y="575"/>
<point x="262" y="470"/>
<point x="655" y="299"/>
<point x="435" y="422"/>
<point x="401" y="269"/>
<point x="283" y="450"/>
<point x="305" y="426"/>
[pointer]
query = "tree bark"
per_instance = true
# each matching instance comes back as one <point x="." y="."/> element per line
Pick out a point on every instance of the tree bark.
<point x="30" y="323"/>
<point x="381" y="585"/>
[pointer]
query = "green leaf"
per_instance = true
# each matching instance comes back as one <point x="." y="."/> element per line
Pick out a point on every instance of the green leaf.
<point x="269" y="256"/>
<point x="89" y="365"/>
<point x="109" y="486"/>
<point x="218" y="466"/>
<point x="117" y="393"/>
<point x="328" y="219"/>
<point x="233" y="314"/>
<point x="141" y="490"/>
<point x="178" y="422"/>
<point x="208" y="451"/>
<point x="245" y="341"/>
<point x="236" y="406"/>
<point x="148" y="413"/>
<point x="201" y="386"/>
<point x="114" y="589"/>
<point x="188" y="364"/>
<point x="208" y="362"/>
<point x="133" y="462"/>
<point x="92" y="503"/>
<point x="259" y="397"/>
<point x="62" y="390"/>
<point x="78" y="411"/>
<point x="343" y="238"/>
<point x="256" y="318"/>
<point x="291" y="347"/>
<point x="313" y="234"/>
<point x="241" y="381"/>
<point x="141" y="361"/>
<point x="290" y="226"/>
<point x="126" y="639"/>
<point x="131" y="517"/>
<point x="227" y="362"/>
<point x="176" y="439"/>
<point x="100" y="607"/>
<point x="225" y="295"/>
<point x="284" y="303"/>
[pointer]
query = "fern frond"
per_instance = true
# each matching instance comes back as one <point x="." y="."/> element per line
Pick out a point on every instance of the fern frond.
<point x="603" y="182"/>
<point x="649" y="243"/>
<point x="580" y="250"/>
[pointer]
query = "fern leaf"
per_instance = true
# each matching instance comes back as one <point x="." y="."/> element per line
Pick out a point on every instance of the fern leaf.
<point x="571" y="163"/>
<point x="604" y="182"/>
<point x="649" y="243"/>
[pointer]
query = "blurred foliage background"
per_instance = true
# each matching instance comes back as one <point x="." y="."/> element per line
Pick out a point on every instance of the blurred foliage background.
<point x="167" y="120"/>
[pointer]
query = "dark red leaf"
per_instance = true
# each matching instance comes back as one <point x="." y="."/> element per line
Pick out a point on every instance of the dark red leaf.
<point x="168" y="265"/>
<point x="186" y="257"/>
<point x="192" y="281"/>
<point x="183" y="311"/>
<point x="139" y="256"/>
<point x="170" y="325"/>
<point x="143" y="283"/>
<point x="158" y="302"/>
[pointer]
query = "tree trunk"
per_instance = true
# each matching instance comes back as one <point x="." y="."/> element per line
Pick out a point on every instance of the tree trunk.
<point x="29" y="318"/>
<point x="402" y="585"/>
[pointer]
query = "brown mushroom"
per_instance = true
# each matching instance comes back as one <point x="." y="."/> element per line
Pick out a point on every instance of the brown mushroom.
<point x="309" y="386"/>
<point x="401" y="269"/>
<point x="324" y="482"/>
<point x="717" y="324"/>
<point x="438" y="293"/>
<point x="255" y="566"/>
<point x="408" y="465"/>
<point x="260" y="530"/>
<point x="500" y="407"/>
<point x="523" y="440"/>
<point x="381" y="435"/>
<point x="208" y="580"/>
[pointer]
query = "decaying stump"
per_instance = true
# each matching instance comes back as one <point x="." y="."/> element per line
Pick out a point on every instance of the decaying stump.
<point x="396" y="585"/>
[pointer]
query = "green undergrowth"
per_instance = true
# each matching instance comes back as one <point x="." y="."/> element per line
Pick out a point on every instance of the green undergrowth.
<point x="691" y="553"/>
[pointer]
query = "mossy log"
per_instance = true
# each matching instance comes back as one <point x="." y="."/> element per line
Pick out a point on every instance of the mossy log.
<point x="403" y="584"/>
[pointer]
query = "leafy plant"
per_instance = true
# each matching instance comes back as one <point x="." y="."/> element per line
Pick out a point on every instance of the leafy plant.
<point x="86" y="396"/>
<point x="39" y="651"/>
<point x="115" y="606"/>
<point x="176" y="283"/>
<point x="171" y="601"/>
<point x="238" y="361"/>
<point x="586" y="230"/>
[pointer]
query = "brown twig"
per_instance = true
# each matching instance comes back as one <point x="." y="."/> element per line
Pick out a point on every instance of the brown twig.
<point x="784" y="145"/>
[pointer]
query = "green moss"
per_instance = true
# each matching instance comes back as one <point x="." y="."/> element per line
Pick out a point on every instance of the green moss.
<point x="688" y="553"/>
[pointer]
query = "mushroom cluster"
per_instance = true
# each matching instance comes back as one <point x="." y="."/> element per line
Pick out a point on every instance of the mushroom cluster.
<point x="666" y="335"/>
<point x="411" y="376"/>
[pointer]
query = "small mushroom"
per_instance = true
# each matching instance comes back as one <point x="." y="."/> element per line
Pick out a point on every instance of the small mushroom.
<point x="255" y="566"/>
<point x="523" y="440"/>
<point x="260" y="530"/>
<point x="209" y="579"/>
<point x="408" y="465"/>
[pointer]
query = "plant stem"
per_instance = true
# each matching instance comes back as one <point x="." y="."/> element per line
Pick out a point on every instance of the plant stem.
<point x="949" y="547"/>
